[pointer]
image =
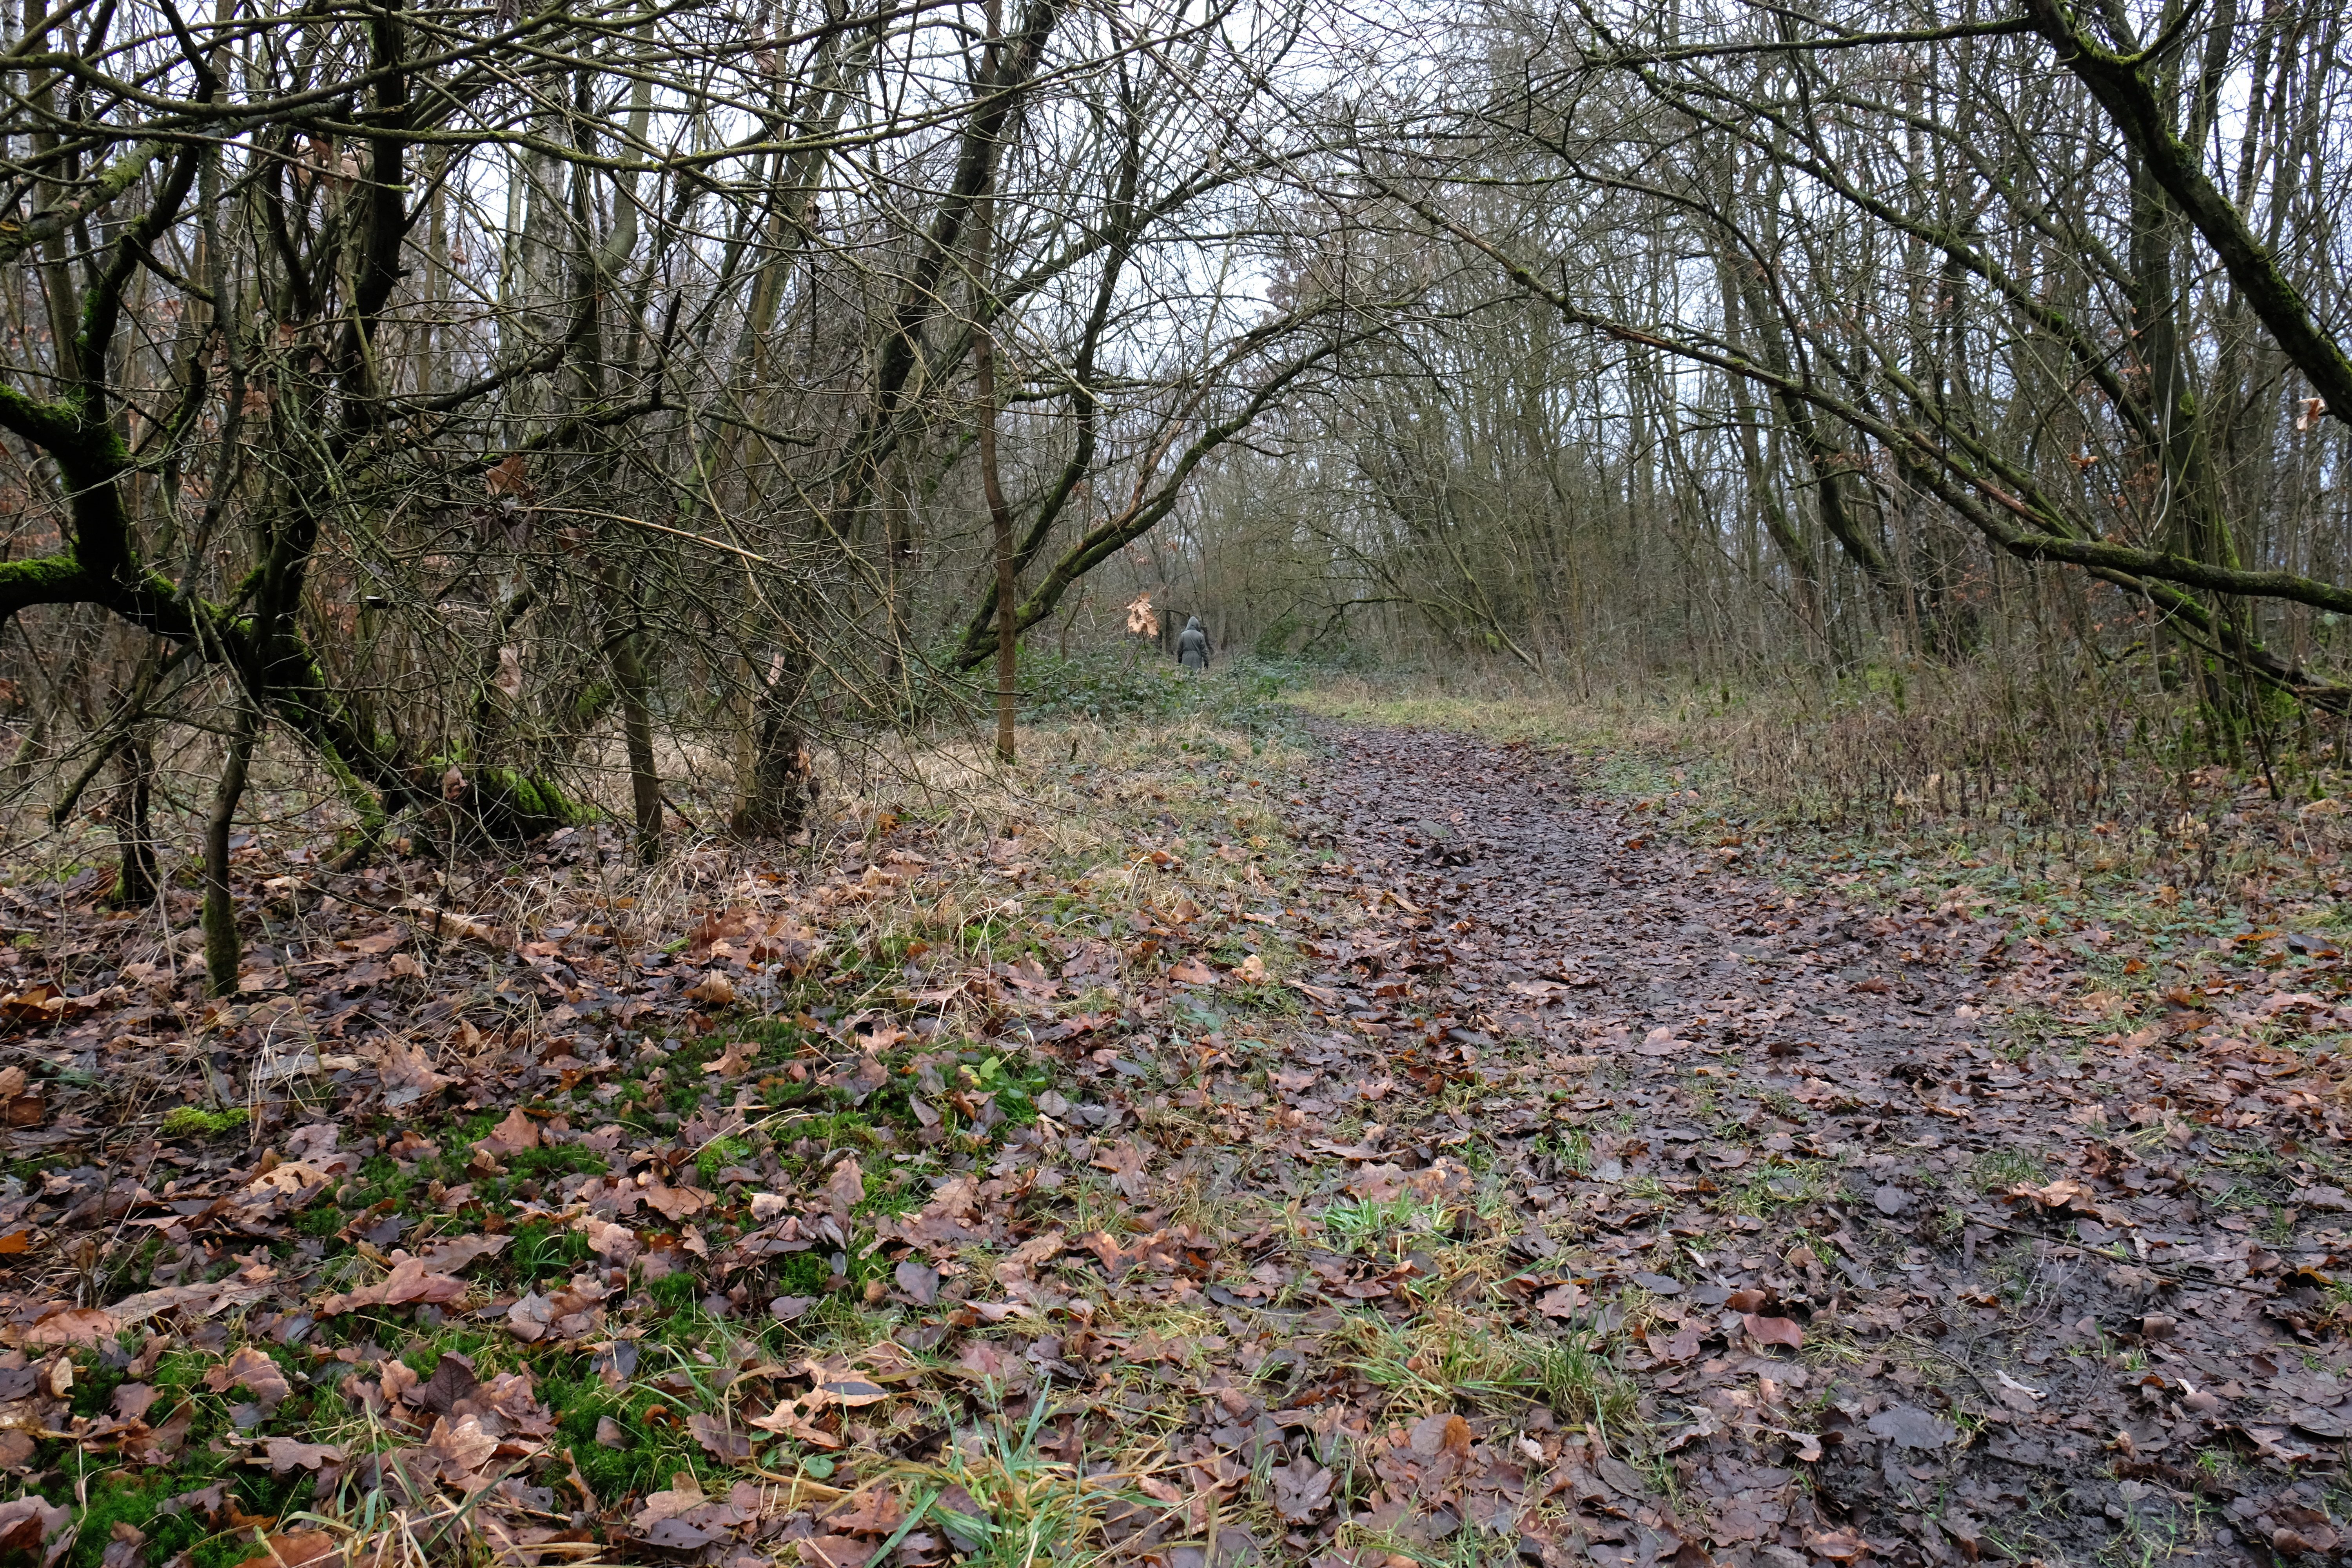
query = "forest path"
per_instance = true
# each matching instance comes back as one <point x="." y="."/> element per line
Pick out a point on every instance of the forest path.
<point x="1418" y="1152"/>
<point x="1775" y="1153"/>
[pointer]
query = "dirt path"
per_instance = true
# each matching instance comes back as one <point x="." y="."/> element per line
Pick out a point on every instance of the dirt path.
<point x="1767" y="1152"/>
<point x="1500" y="1177"/>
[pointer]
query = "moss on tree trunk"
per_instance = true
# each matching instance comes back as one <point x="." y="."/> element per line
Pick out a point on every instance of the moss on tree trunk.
<point x="507" y="806"/>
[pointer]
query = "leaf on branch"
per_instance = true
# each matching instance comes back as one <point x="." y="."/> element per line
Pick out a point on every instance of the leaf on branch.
<point x="508" y="477"/>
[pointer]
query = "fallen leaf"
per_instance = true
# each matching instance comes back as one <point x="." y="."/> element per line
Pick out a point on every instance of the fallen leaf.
<point x="88" y="1327"/>
<point x="676" y="1203"/>
<point x="287" y="1453"/>
<point x="2062" y="1193"/>
<point x="1441" y="1433"/>
<point x="918" y="1281"/>
<point x="297" y="1548"/>
<point x="453" y="1380"/>
<point x="509" y="476"/>
<point x="2014" y="1387"/>
<point x="191" y="1301"/>
<point x="455" y="1253"/>
<point x="32" y="1529"/>
<point x="2315" y="1538"/>
<point x="1560" y="1300"/>
<point x="1302" y="1489"/>
<point x="731" y="1062"/>
<point x="1024" y="1260"/>
<point x="512" y="1136"/>
<point x="845" y="1389"/>
<point x="718" y="1439"/>
<point x="1837" y="1545"/>
<point x="1124" y="1161"/>
<point x="411" y="1280"/>
<point x="876" y="1510"/>
<point x="789" y="1418"/>
<point x="252" y="1370"/>
<point x="615" y="1244"/>
<point x="845" y="1187"/>
<point x="461" y="1448"/>
<point x="1908" y="1426"/>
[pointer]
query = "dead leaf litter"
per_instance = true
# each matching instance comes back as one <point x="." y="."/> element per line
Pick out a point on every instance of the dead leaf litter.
<point x="1407" y="1152"/>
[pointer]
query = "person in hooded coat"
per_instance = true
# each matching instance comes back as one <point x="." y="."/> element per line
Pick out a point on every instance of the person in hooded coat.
<point x="1192" y="645"/>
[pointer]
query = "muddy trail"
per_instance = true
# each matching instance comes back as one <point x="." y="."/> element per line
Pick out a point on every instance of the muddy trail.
<point x="1892" y="1280"/>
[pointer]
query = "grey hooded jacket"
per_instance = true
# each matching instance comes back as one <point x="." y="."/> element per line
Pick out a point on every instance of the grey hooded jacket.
<point x="1192" y="645"/>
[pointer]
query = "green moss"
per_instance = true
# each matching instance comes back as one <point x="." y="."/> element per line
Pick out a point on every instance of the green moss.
<point x="93" y="1386"/>
<point x="381" y="1180"/>
<point x="839" y="1129"/>
<point x="505" y="804"/>
<point x="115" y="1499"/>
<point x="181" y="1370"/>
<point x="122" y="1497"/>
<point x="986" y="935"/>
<point x="541" y="1249"/>
<point x="771" y="1032"/>
<point x="193" y="1121"/>
<point x="471" y="1343"/>
<point x="802" y="1274"/>
<point x="320" y="1220"/>
<point x="901" y="1201"/>
<point x="43" y="579"/>
<point x="655" y="1446"/>
<point x="722" y="1153"/>
<point x="673" y="1292"/>
<point x="559" y="1160"/>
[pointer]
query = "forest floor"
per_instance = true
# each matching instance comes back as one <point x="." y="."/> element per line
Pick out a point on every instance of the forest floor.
<point x="1322" y="1143"/>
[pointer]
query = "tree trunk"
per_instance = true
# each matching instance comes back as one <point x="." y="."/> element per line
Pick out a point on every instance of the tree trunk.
<point x="1000" y="519"/>
<point x="224" y="944"/>
<point x="637" y="736"/>
<point x="779" y="787"/>
<point x="135" y="758"/>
